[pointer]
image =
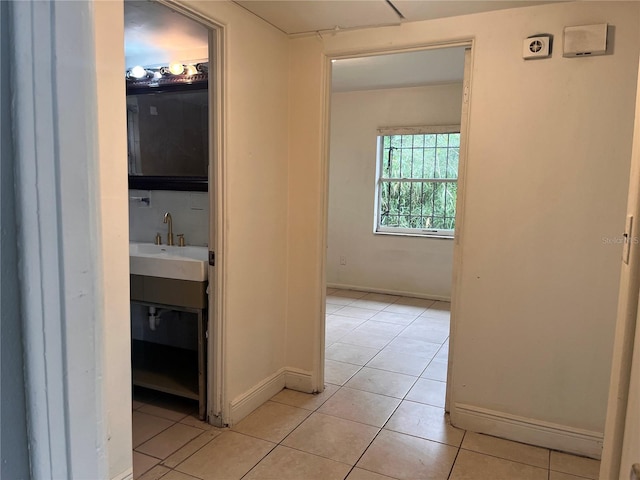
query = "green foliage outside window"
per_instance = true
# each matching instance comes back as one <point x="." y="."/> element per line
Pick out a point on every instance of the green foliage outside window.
<point x="418" y="185"/>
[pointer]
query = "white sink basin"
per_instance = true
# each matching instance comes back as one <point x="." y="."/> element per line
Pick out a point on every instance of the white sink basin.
<point x="181" y="263"/>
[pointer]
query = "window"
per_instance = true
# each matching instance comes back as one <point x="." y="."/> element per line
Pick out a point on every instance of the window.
<point x="417" y="181"/>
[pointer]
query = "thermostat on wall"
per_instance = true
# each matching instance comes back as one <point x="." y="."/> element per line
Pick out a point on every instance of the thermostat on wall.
<point x="538" y="46"/>
<point x="585" y="40"/>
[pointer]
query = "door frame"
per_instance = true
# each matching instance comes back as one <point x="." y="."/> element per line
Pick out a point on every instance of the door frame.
<point x="468" y="43"/>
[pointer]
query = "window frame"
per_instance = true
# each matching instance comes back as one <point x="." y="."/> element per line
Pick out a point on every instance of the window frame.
<point x="379" y="229"/>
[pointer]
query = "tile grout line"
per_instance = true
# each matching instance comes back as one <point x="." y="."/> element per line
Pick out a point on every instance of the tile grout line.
<point x="260" y="461"/>
<point x="365" y="451"/>
<point x="161" y="460"/>
<point x="288" y="434"/>
<point x="391" y="340"/>
<point x="456" y="457"/>
<point x="417" y="378"/>
<point x="135" y="449"/>
<point x="503" y="458"/>
<point x="183" y="446"/>
<point x="175" y="422"/>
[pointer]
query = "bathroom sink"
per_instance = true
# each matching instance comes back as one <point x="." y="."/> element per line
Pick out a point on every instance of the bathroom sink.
<point x="180" y="263"/>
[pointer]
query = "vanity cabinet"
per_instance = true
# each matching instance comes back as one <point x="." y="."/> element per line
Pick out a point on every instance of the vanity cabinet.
<point x="165" y="368"/>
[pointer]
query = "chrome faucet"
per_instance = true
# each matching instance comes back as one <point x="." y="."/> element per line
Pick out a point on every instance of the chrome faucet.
<point x="168" y="219"/>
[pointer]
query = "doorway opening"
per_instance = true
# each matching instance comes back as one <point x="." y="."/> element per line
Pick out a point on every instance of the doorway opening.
<point x="174" y="90"/>
<point x="395" y="191"/>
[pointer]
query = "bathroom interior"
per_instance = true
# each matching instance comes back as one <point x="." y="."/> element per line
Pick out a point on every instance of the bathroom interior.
<point x="168" y="157"/>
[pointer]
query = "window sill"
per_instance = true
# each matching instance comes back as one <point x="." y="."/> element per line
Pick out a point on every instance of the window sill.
<point x="416" y="235"/>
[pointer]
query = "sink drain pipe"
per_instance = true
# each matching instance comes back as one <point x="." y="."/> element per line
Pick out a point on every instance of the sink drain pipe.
<point x="154" y="317"/>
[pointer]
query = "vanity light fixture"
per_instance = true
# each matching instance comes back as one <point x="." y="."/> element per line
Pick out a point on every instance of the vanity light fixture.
<point x="172" y="74"/>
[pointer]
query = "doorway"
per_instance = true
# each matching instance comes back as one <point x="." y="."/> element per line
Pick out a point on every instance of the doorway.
<point x="178" y="55"/>
<point x="397" y="130"/>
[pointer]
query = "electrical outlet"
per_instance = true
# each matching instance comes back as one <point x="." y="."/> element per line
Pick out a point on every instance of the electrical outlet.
<point x="343" y="260"/>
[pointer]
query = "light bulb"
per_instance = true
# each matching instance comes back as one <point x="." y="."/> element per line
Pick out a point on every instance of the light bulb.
<point x="138" y="72"/>
<point x="191" y="70"/>
<point x="176" y="68"/>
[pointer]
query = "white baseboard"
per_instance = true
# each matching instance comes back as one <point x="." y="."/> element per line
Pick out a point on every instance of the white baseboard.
<point x="126" y="475"/>
<point x="299" y="380"/>
<point x="441" y="298"/>
<point x="246" y="403"/>
<point x="528" y="430"/>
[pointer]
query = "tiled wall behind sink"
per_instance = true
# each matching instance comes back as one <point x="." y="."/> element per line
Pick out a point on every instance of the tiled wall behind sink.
<point x="189" y="210"/>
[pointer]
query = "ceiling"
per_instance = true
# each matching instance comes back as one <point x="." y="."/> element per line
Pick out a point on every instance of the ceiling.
<point x="426" y="67"/>
<point x="155" y="34"/>
<point x="306" y="16"/>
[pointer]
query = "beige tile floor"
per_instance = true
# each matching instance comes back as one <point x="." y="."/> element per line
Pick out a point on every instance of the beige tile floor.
<point x="380" y="417"/>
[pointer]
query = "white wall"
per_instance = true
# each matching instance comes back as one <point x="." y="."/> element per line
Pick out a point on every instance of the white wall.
<point x="546" y="181"/>
<point x="69" y="132"/>
<point x="308" y="177"/>
<point x="189" y="213"/>
<point x="390" y="263"/>
<point x="255" y="202"/>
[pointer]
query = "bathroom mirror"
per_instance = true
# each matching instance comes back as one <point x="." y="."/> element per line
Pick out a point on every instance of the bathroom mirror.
<point x="168" y="136"/>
